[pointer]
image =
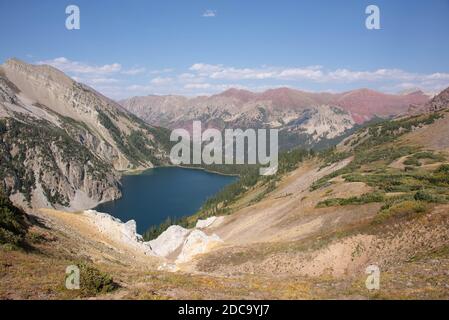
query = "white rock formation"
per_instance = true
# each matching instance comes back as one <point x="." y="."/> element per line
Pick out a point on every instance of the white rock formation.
<point x="186" y="243"/>
<point x="175" y="242"/>
<point x="123" y="233"/>
<point x="168" y="241"/>
<point x="196" y="243"/>
<point x="203" y="224"/>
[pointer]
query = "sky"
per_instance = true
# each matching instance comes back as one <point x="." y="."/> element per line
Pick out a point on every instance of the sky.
<point x="202" y="47"/>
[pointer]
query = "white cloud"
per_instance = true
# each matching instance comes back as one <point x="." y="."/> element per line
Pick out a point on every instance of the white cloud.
<point x="202" y="78"/>
<point x="198" y="86"/>
<point x="210" y="13"/>
<point x="81" y="68"/>
<point x="76" y="67"/>
<point x="310" y="73"/>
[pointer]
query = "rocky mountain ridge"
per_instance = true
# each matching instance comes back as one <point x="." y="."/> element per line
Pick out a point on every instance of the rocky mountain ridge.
<point x="63" y="143"/>
<point x="304" y="118"/>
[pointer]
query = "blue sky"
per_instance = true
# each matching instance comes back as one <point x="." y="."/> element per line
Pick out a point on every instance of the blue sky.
<point x="192" y="47"/>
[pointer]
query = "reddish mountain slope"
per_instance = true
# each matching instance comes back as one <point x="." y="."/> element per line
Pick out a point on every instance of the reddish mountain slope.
<point x="364" y="104"/>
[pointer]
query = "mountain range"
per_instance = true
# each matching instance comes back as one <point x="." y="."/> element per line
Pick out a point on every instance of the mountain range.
<point x="305" y="119"/>
<point x="64" y="144"/>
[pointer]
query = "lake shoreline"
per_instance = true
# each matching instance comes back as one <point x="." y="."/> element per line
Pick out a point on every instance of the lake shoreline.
<point x="151" y="196"/>
<point x="140" y="171"/>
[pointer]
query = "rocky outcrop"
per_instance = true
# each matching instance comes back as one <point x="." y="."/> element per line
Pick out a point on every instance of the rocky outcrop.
<point x="123" y="233"/>
<point x="440" y="101"/>
<point x="169" y="241"/>
<point x="62" y="143"/>
<point x="182" y="245"/>
<point x="197" y="243"/>
<point x="176" y="245"/>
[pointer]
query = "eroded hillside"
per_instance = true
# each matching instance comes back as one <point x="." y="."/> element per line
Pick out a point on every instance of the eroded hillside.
<point x="62" y="144"/>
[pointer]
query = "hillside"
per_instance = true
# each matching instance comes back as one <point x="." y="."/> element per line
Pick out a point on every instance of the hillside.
<point x="381" y="198"/>
<point x="62" y="143"/>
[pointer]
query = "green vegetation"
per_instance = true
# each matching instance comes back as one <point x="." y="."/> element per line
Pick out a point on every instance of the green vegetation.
<point x="154" y="231"/>
<point x="13" y="225"/>
<point x="161" y="135"/>
<point x="55" y="197"/>
<point x="93" y="281"/>
<point x="137" y="146"/>
<point x="405" y="209"/>
<point x="116" y="134"/>
<point x="414" y="160"/>
<point x="363" y="199"/>
<point x="411" y="189"/>
<point x="377" y="149"/>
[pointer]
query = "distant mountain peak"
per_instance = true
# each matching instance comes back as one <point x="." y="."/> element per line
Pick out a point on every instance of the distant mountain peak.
<point x="240" y="94"/>
<point x="43" y="71"/>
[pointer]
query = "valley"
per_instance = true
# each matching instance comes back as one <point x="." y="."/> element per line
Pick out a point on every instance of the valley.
<point x="379" y="196"/>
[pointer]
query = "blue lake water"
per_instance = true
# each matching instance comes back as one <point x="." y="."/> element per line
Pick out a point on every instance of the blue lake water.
<point x="151" y="197"/>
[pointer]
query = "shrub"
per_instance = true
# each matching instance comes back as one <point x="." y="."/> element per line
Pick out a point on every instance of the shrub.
<point x="423" y="196"/>
<point x="93" y="281"/>
<point x="430" y="197"/>
<point x="404" y="209"/>
<point x="412" y="162"/>
<point x="365" y="198"/>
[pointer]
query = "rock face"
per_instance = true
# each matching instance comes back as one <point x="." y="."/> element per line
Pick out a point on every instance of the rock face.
<point x="62" y="143"/>
<point x="440" y="101"/>
<point x="197" y="243"/>
<point x="183" y="244"/>
<point x="123" y="233"/>
<point x="304" y="118"/>
<point x="170" y="240"/>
